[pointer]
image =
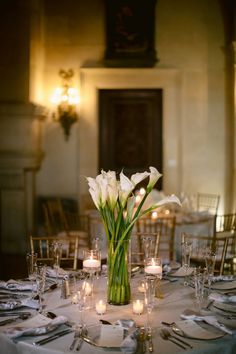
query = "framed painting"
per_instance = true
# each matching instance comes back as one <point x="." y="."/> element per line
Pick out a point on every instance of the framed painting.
<point x="130" y="33"/>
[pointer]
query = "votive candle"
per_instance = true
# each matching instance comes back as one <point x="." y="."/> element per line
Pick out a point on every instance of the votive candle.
<point x="100" y="307"/>
<point x="138" y="307"/>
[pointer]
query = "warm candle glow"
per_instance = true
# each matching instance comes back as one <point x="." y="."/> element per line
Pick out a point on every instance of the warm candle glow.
<point x="87" y="288"/>
<point x="154" y="215"/>
<point x="142" y="191"/>
<point x="100" y="307"/>
<point x="138" y="307"/>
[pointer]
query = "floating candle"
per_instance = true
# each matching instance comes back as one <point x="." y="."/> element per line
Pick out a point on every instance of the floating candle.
<point x="91" y="263"/>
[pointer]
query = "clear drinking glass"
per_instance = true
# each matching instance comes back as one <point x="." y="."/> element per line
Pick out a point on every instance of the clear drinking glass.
<point x="31" y="260"/>
<point x="40" y="271"/>
<point x="210" y="259"/>
<point x="186" y="257"/>
<point x="200" y="279"/>
<point x="56" y="249"/>
<point x="150" y="289"/>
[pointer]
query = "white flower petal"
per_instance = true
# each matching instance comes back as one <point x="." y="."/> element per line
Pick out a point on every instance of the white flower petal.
<point x="154" y="176"/>
<point x="138" y="177"/>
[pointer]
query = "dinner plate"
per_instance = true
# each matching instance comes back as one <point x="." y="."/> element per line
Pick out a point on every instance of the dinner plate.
<point x="225" y="306"/>
<point x="224" y="285"/>
<point x="199" y="330"/>
<point x="181" y="272"/>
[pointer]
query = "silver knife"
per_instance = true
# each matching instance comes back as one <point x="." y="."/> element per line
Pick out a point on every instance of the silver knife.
<point x="53" y="337"/>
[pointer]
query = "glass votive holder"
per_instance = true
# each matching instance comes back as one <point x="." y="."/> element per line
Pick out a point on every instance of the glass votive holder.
<point x="138" y="306"/>
<point x="142" y="287"/>
<point x="87" y="287"/>
<point x="92" y="260"/>
<point x="101" y="307"/>
<point x="153" y="267"/>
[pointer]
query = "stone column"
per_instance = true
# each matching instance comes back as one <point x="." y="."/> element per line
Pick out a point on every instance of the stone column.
<point x="234" y="167"/>
<point x="20" y="121"/>
<point x="20" y="157"/>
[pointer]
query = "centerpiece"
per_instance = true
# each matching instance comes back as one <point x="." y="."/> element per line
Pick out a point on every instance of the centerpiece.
<point x="115" y="200"/>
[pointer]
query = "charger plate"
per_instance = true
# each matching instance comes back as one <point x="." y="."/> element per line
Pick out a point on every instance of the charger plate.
<point x="199" y="330"/>
<point x="224" y="285"/>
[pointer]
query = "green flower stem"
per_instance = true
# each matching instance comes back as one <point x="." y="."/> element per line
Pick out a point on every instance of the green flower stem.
<point x="118" y="273"/>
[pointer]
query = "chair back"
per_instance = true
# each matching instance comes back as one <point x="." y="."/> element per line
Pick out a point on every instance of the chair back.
<point x="221" y="246"/>
<point x="208" y="202"/>
<point x="166" y="227"/>
<point x="42" y="245"/>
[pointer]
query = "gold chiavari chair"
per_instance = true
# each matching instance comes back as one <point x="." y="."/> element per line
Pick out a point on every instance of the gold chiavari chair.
<point x="221" y="246"/>
<point x="144" y="245"/>
<point x="42" y="245"/>
<point x="208" y="202"/>
<point x="166" y="227"/>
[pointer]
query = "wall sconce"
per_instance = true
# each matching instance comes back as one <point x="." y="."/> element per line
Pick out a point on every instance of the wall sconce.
<point x="65" y="98"/>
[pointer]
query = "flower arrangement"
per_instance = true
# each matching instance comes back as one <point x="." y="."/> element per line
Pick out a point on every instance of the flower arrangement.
<point x="115" y="200"/>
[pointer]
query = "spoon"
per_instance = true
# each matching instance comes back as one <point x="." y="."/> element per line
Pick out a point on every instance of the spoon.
<point x="165" y="334"/>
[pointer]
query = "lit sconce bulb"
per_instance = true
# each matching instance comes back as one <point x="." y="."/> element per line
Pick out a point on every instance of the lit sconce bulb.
<point x="142" y="191"/>
<point x="167" y="212"/>
<point x="154" y="215"/>
<point x="137" y="198"/>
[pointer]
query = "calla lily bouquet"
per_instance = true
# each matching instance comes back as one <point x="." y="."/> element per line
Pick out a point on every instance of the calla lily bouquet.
<point x="116" y="202"/>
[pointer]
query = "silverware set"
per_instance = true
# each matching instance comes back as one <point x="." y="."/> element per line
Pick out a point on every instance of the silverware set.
<point x="167" y="335"/>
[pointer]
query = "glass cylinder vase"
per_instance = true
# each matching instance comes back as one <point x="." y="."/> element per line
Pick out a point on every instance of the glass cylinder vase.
<point x="118" y="287"/>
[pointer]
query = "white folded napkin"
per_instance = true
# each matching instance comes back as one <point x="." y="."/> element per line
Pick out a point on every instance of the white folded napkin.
<point x="13" y="304"/>
<point x="211" y="320"/>
<point x="222" y="298"/>
<point x="18" y="285"/>
<point x="15" y="332"/>
<point x="129" y="344"/>
<point x="54" y="273"/>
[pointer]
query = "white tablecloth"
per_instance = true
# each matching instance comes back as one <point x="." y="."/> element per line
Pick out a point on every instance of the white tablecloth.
<point x="176" y="299"/>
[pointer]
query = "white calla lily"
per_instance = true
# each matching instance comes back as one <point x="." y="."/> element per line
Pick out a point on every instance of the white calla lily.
<point x="95" y="196"/>
<point x="126" y="187"/>
<point x="138" y="177"/>
<point x="167" y="200"/>
<point x="154" y="177"/>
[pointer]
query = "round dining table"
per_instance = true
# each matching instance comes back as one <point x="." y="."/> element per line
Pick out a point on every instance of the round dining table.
<point x="174" y="298"/>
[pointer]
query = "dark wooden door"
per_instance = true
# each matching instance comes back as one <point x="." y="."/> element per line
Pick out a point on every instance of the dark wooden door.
<point x="130" y="130"/>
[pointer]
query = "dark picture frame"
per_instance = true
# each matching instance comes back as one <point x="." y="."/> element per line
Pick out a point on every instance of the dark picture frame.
<point x="130" y="33"/>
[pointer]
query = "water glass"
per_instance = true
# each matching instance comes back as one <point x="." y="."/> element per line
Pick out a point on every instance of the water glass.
<point x="56" y="250"/>
<point x="40" y="283"/>
<point x="186" y="257"/>
<point x="31" y="260"/>
<point x="210" y="260"/>
<point x="200" y="278"/>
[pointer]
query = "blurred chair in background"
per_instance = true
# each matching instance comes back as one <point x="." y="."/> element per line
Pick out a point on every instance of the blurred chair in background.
<point x="165" y="226"/>
<point x="208" y="202"/>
